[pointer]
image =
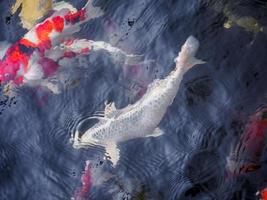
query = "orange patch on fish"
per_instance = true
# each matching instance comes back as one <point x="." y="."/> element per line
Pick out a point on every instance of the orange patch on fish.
<point x="18" y="80"/>
<point x="86" y="184"/>
<point x="16" y="56"/>
<point x="27" y="43"/>
<point x="43" y="30"/>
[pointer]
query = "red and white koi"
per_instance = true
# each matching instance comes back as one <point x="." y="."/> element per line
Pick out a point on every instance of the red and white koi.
<point x="246" y="156"/>
<point x="93" y="175"/>
<point x="36" y="56"/>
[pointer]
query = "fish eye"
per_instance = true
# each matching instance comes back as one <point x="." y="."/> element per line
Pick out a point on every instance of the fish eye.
<point x="101" y="162"/>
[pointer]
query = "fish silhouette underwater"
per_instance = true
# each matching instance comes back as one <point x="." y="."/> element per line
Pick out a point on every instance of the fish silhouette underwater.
<point x="142" y="118"/>
<point x="94" y="175"/>
<point x="246" y="156"/>
<point x="36" y="57"/>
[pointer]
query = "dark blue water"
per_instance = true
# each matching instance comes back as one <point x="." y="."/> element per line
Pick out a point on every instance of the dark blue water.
<point x="202" y="126"/>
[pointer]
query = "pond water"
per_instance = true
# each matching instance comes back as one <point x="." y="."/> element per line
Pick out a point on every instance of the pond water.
<point x="213" y="146"/>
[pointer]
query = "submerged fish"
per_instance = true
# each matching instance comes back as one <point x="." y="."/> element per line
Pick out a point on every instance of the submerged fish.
<point x="246" y="156"/>
<point x="36" y="56"/>
<point x="142" y="118"/>
<point x="31" y="11"/>
<point x="248" y="23"/>
<point x="263" y="194"/>
<point x="93" y="175"/>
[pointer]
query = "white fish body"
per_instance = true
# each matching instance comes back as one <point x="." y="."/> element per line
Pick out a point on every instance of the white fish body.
<point x="142" y="118"/>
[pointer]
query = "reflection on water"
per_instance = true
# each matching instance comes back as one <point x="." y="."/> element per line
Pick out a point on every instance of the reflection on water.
<point x="213" y="146"/>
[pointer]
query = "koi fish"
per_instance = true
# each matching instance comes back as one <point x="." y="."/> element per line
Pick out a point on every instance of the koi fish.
<point x="263" y="194"/>
<point x="36" y="56"/>
<point x="140" y="119"/>
<point x="246" y="156"/>
<point x="31" y="11"/>
<point x="93" y="175"/>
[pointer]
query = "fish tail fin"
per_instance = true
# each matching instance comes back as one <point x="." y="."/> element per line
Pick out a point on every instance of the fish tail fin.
<point x="186" y="57"/>
<point x="92" y="12"/>
<point x="116" y="53"/>
<point x="113" y="152"/>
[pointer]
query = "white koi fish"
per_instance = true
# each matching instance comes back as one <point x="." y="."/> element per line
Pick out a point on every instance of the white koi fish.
<point x="142" y="118"/>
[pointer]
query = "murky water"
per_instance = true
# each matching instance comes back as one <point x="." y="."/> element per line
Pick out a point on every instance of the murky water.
<point x="217" y="104"/>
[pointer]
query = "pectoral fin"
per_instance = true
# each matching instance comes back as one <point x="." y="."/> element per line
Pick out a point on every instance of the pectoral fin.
<point x="157" y="132"/>
<point x="110" y="109"/>
<point x="113" y="152"/>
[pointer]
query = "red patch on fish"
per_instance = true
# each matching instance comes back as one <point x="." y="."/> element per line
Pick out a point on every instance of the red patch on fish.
<point x="14" y="61"/>
<point x="141" y="92"/>
<point x="86" y="180"/>
<point x="75" y="17"/>
<point x="44" y="45"/>
<point x="254" y="136"/>
<point x="86" y="184"/>
<point x="69" y="54"/>
<point x="263" y="194"/>
<point x="49" y="66"/>
<point x="18" y="80"/>
<point x="58" y="23"/>
<point x="68" y="42"/>
<point x="85" y="50"/>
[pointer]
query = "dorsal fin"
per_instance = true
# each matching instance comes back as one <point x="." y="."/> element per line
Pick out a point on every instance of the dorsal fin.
<point x="110" y="109"/>
<point x="57" y="6"/>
